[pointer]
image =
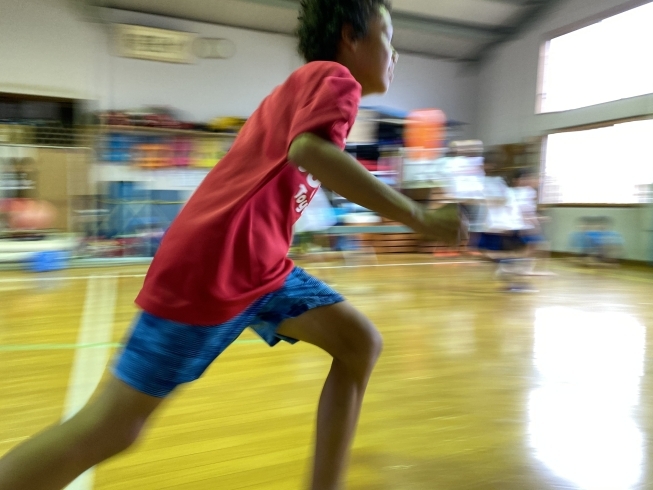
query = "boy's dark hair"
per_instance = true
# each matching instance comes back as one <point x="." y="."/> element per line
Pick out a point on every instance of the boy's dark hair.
<point x="321" y="23"/>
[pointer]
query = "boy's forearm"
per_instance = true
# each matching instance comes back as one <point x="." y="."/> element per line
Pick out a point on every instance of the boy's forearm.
<point x="341" y="173"/>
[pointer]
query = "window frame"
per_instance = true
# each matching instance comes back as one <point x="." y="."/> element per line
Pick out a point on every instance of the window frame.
<point x="574" y="26"/>
<point x="571" y="129"/>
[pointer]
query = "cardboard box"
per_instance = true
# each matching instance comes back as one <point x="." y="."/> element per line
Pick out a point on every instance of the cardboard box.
<point x="60" y="175"/>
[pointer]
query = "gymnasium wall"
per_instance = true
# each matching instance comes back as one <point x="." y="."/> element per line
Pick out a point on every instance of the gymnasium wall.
<point x="422" y="82"/>
<point x="262" y="61"/>
<point x="208" y="87"/>
<point x="633" y="223"/>
<point x="506" y="114"/>
<point x="48" y="47"/>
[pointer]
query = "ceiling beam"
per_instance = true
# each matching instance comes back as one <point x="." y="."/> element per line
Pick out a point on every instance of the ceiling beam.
<point x="516" y="3"/>
<point x="105" y="6"/>
<point x="407" y="20"/>
<point x="447" y="27"/>
<point x="489" y="36"/>
<point x="537" y="10"/>
<point x="288" y="4"/>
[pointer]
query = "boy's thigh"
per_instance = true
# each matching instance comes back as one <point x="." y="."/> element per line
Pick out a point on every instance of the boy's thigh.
<point x="339" y="329"/>
<point x="301" y="293"/>
<point x="308" y="309"/>
<point x="120" y="401"/>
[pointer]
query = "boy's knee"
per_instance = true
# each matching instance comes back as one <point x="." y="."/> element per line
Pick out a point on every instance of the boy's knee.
<point x="119" y="415"/>
<point x="375" y="344"/>
<point x="362" y="349"/>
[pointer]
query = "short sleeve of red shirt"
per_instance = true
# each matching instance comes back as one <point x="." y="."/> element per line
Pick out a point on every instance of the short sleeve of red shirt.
<point x="330" y="109"/>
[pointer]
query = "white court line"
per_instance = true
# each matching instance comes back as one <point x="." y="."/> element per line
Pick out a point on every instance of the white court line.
<point x="89" y="364"/>
<point x="67" y="278"/>
<point x="356" y="266"/>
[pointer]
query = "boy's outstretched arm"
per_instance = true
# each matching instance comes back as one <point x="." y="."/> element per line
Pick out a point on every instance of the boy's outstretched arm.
<point x="340" y="172"/>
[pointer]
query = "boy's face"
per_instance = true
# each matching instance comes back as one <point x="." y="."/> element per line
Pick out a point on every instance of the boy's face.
<point x="373" y="57"/>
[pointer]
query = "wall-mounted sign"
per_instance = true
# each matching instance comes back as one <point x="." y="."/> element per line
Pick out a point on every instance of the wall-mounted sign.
<point x="148" y="43"/>
<point x="206" y="47"/>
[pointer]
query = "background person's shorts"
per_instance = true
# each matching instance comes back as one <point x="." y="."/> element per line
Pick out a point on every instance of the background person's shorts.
<point x="506" y="242"/>
<point x="161" y="354"/>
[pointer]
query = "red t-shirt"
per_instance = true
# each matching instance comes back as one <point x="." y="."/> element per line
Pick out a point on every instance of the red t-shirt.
<point x="228" y="246"/>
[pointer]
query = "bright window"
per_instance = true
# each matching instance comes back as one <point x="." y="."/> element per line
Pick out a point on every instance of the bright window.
<point x="607" y="165"/>
<point x="609" y="60"/>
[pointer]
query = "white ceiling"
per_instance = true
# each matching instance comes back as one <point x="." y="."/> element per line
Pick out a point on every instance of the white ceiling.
<point x="464" y="30"/>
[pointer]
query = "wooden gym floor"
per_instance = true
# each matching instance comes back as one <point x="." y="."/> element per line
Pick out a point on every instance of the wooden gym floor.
<point x="476" y="388"/>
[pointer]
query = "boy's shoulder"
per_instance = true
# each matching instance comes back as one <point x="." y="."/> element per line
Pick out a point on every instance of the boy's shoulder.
<point x="320" y="69"/>
<point x="333" y="80"/>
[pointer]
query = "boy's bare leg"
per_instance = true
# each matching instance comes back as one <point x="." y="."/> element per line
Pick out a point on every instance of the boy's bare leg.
<point x="355" y="345"/>
<point x="107" y="425"/>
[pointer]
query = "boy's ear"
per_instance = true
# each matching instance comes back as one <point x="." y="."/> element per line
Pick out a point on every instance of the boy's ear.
<point x="348" y="39"/>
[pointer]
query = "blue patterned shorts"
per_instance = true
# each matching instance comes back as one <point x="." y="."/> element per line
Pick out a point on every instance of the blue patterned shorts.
<point x="161" y="354"/>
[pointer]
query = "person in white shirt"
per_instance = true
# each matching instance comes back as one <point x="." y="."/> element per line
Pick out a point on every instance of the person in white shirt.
<point x="508" y="226"/>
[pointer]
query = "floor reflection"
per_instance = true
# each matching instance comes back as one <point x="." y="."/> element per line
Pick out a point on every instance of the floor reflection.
<point x="581" y="424"/>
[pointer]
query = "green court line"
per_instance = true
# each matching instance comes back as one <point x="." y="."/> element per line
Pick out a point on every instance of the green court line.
<point x="31" y="347"/>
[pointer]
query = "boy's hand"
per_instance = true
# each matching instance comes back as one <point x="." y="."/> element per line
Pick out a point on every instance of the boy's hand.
<point x="447" y="224"/>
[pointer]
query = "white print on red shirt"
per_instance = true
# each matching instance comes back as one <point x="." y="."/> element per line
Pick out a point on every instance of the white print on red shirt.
<point x="301" y="197"/>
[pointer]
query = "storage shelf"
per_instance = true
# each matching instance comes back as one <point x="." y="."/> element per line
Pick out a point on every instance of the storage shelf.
<point x="155" y="130"/>
<point x="166" y="178"/>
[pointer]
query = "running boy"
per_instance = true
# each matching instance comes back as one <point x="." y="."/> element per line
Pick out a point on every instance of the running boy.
<point x="223" y="264"/>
